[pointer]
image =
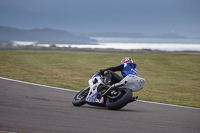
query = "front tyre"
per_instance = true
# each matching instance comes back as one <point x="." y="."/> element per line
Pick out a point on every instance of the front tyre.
<point x="122" y="100"/>
<point x="79" y="99"/>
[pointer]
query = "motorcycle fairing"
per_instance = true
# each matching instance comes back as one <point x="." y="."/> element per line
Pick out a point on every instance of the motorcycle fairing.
<point x="93" y="93"/>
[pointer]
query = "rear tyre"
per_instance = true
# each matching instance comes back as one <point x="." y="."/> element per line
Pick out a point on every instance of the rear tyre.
<point x="79" y="99"/>
<point x="122" y="100"/>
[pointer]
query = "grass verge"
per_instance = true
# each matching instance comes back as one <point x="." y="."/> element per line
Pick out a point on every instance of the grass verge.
<point x="170" y="78"/>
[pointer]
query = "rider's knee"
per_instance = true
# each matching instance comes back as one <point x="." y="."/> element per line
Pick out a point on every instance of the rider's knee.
<point x="107" y="72"/>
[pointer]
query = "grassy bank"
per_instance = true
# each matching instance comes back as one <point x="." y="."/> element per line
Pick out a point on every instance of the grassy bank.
<point x="170" y="78"/>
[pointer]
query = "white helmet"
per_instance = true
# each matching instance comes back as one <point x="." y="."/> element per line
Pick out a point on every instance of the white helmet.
<point x="127" y="60"/>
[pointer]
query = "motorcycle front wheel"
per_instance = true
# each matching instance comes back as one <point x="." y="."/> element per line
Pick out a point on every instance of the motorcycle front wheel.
<point x="119" y="102"/>
<point x="79" y="99"/>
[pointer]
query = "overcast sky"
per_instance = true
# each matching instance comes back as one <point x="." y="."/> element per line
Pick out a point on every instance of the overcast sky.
<point x="150" y="17"/>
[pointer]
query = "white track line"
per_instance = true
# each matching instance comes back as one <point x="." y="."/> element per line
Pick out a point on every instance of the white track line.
<point x="78" y="91"/>
<point x="168" y="104"/>
<point x="38" y="84"/>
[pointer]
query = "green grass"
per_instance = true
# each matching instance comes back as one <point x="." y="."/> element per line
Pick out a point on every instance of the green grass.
<point x="170" y="78"/>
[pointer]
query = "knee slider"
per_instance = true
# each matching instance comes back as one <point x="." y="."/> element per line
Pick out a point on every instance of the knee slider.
<point x="106" y="73"/>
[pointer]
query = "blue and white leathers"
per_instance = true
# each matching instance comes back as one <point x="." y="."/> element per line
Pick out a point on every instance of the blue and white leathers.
<point x="129" y="68"/>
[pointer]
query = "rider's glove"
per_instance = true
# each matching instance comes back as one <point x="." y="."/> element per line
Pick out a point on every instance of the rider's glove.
<point x="101" y="71"/>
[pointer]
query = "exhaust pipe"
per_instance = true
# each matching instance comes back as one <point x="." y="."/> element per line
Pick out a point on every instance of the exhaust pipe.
<point x="134" y="99"/>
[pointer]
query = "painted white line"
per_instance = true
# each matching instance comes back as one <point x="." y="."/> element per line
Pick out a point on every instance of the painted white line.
<point x="38" y="84"/>
<point x="78" y="91"/>
<point x="168" y="104"/>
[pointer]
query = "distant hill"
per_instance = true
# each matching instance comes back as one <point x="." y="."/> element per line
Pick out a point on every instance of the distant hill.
<point x="131" y="35"/>
<point x="53" y="36"/>
<point x="115" y="34"/>
<point x="45" y="35"/>
<point x="170" y="35"/>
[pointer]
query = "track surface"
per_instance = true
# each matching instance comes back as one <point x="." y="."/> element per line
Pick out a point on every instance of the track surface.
<point x="30" y="108"/>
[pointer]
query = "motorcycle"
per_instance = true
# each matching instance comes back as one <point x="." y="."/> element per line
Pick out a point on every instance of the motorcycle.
<point x="115" y="97"/>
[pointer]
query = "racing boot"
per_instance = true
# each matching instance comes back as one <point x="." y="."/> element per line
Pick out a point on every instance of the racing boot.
<point x="101" y="89"/>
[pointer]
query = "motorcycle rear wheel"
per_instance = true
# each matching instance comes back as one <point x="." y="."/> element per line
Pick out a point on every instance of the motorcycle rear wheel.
<point x="79" y="99"/>
<point x="122" y="100"/>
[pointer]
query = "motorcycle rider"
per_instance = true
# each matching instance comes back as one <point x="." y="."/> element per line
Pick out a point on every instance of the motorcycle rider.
<point x="126" y="67"/>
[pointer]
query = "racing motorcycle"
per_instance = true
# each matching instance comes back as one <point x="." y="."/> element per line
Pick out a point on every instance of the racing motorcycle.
<point x="115" y="97"/>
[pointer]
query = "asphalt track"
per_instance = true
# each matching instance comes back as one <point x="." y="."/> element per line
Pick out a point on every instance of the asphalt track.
<point x="30" y="108"/>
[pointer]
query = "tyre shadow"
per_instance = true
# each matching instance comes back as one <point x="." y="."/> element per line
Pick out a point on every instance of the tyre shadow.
<point x="105" y="109"/>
